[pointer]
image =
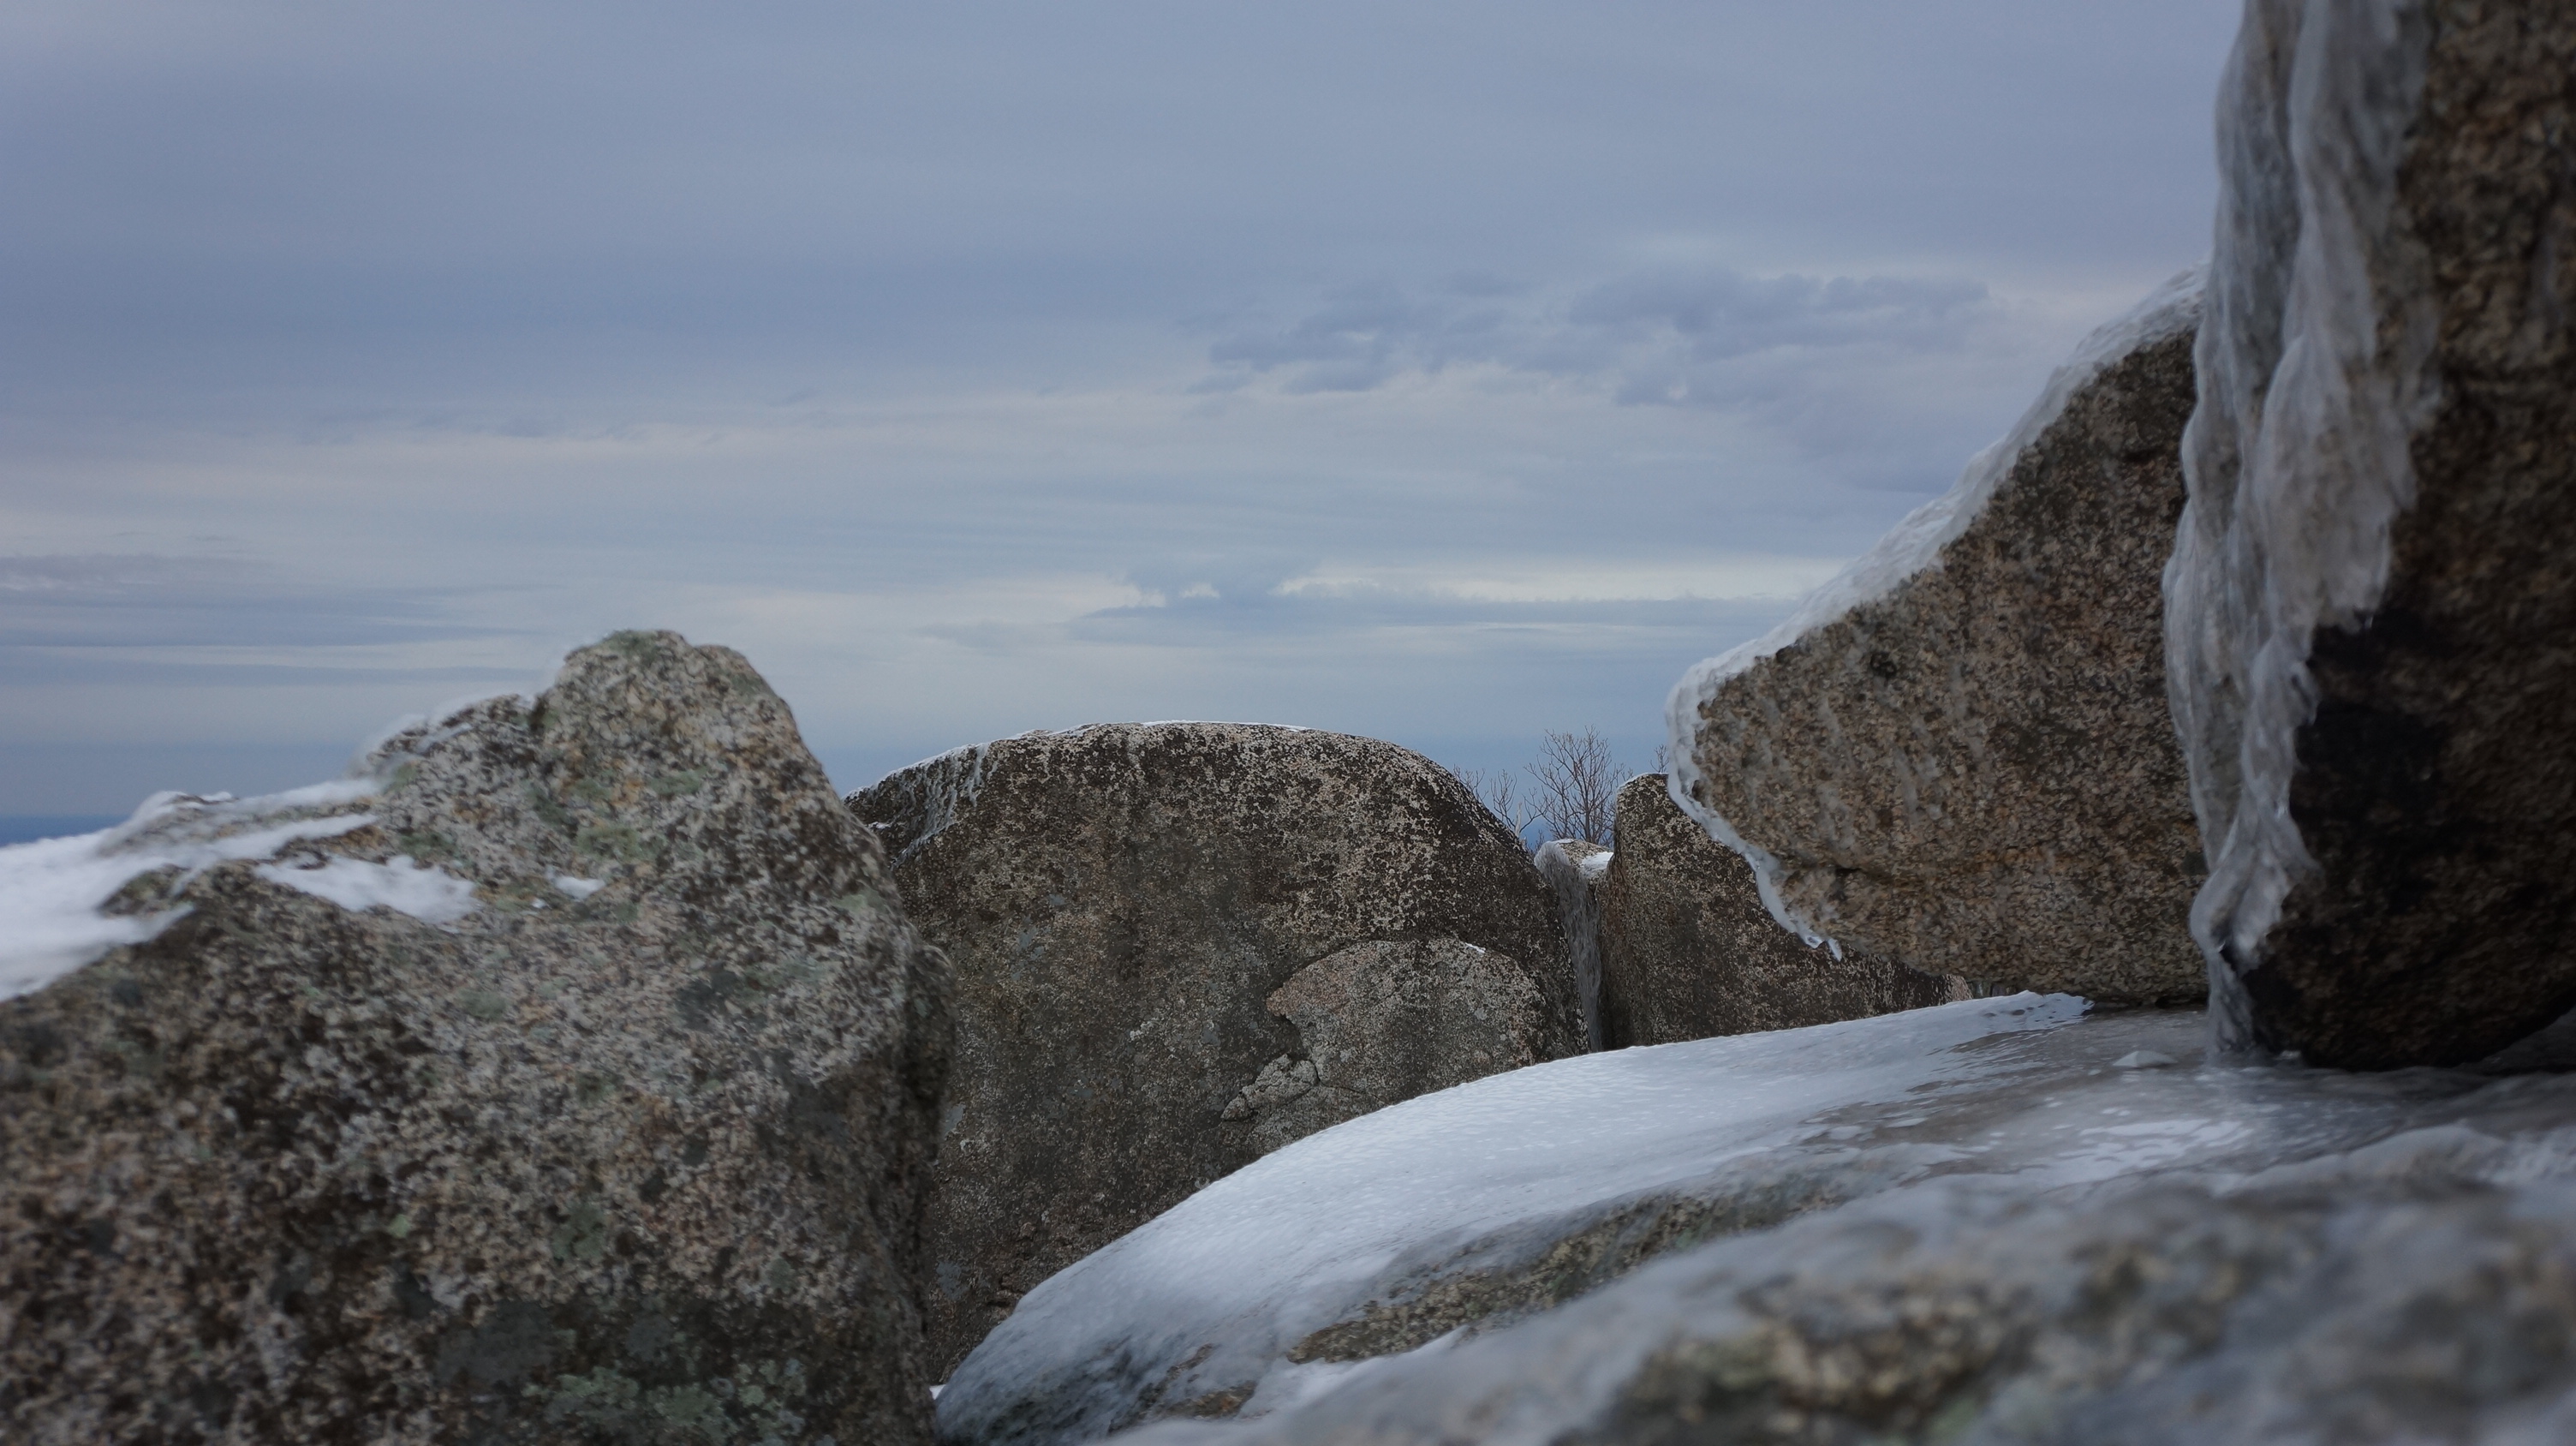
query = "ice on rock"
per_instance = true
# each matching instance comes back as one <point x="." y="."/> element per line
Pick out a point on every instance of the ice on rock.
<point x="2297" y="456"/>
<point x="1254" y="1289"/>
<point x="427" y="893"/>
<point x="53" y="892"/>
<point x="1910" y="547"/>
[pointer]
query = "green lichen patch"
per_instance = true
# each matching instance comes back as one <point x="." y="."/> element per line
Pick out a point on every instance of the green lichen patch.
<point x="427" y="845"/>
<point x="583" y="1235"/>
<point x="679" y="785"/>
<point x="484" y="1004"/>
<point x="618" y="841"/>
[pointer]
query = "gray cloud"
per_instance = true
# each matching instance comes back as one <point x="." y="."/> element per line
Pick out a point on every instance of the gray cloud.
<point x="864" y="336"/>
<point x="1705" y="336"/>
<point x="159" y="601"/>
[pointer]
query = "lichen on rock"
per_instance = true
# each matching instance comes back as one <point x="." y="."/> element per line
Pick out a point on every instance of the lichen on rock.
<point x="1958" y="754"/>
<point x="1125" y="903"/>
<point x="627" y="1146"/>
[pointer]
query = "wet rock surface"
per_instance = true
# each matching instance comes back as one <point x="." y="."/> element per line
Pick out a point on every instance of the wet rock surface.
<point x="1959" y="755"/>
<point x="2372" y="592"/>
<point x="621" y="1136"/>
<point x="2010" y="1220"/>
<point x="1688" y="950"/>
<point x="1124" y="904"/>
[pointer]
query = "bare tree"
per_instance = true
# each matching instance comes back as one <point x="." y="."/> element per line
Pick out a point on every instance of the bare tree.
<point x="1577" y="784"/>
<point x="1499" y="791"/>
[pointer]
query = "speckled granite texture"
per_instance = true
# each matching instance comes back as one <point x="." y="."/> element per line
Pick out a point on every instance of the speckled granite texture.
<point x="640" y="1166"/>
<point x="1123" y="902"/>
<point x="1976" y="772"/>
<point x="2375" y="591"/>
<point x="1688" y="951"/>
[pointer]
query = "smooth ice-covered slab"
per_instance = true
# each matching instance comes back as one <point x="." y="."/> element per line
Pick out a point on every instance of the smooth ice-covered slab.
<point x="1500" y="1200"/>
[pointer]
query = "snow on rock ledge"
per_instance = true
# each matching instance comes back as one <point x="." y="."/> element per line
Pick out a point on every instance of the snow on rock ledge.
<point x="1958" y="754"/>
<point x="2371" y="598"/>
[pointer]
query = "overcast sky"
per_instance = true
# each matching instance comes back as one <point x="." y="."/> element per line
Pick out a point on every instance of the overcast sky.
<point x="1442" y="372"/>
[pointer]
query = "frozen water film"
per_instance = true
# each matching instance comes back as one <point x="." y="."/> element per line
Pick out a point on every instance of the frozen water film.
<point x="2313" y="377"/>
<point x="1255" y="1287"/>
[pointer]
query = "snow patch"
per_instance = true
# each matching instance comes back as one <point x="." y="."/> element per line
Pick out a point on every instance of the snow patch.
<point x="427" y="893"/>
<point x="578" y="889"/>
<point x="52" y="890"/>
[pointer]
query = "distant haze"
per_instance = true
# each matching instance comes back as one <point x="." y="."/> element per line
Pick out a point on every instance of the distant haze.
<point x="1442" y="372"/>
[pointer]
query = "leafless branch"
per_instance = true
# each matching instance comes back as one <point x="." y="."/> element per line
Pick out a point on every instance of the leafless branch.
<point x="1499" y="791"/>
<point x="1577" y="785"/>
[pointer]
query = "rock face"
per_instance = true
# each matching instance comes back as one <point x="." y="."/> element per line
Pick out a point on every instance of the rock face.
<point x="1180" y="946"/>
<point x="598" y="1107"/>
<point x="1958" y="755"/>
<point x="2004" y="1220"/>
<point x="1688" y="951"/>
<point x="1574" y="867"/>
<point x="2372" y="593"/>
<point x="1384" y="1022"/>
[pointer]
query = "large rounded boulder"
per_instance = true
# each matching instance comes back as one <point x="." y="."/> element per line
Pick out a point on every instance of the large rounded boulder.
<point x="1180" y="946"/>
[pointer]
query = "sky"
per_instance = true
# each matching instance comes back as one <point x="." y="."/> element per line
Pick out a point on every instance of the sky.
<point x="1440" y="372"/>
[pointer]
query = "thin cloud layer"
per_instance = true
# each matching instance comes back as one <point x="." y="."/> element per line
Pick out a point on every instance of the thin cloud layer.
<point x="1660" y="337"/>
<point x="1444" y="372"/>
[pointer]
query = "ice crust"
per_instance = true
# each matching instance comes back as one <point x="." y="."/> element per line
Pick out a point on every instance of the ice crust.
<point x="51" y="891"/>
<point x="2025" y="1093"/>
<point x="1910" y="547"/>
<point x="425" y="892"/>
<point x="2314" y="373"/>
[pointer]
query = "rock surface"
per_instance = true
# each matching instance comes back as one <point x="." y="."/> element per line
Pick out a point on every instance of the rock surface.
<point x="1574" y="867"/>
<point x="1384" y="1022"/>
<point x="1181" y="945"/>
<point x="1687" y="950"/>
<point x="1958" y="754"/>
<point x="621" y="1135"/>
<point x="2373" y="591"/>
<point x="2006" y="1220"/>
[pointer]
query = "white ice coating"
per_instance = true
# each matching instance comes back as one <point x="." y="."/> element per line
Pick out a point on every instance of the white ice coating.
<point x="2313" y="374"/>
<point x="427" y="893"/>
<point x="576" y="888"/>
<point x="2026" y="1095"/>
<point x="1595" y="867"/>
<point x="1912" y="546"/>
<point x="51" y="890"/>
<point x="942" y="788"/>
